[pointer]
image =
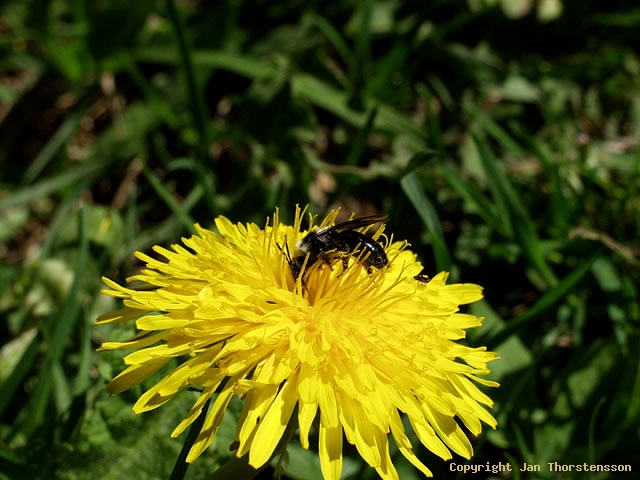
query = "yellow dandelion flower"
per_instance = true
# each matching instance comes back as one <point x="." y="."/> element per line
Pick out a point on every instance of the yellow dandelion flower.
<point x="348" y="350"/>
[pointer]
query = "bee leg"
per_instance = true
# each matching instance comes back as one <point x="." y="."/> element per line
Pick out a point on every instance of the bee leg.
<point x="345" y="264"/>
<point x="326" y="261"/>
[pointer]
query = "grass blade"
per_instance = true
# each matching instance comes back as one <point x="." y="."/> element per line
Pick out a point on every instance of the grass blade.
<point x="167" y="197"/>
<point x="429" y="216"/>
<point x="515" y="212"/>
<point x="200" y="114"/>
<point x="551" y="298"/>
<point x="60" y="327"/>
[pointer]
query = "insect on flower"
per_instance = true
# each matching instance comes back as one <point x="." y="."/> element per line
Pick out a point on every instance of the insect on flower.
<point x="338" y="242"/>
<point x="345" y="361"/>
<point x="422" y="278"/>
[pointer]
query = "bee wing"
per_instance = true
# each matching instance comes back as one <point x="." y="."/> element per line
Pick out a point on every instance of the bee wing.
<point x="359" y="223"/>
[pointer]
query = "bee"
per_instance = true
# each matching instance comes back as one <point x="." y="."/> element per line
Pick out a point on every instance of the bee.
<point x="343" y="239"/>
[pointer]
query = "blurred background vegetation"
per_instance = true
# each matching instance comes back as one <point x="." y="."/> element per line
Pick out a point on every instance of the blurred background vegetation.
<point x="500" y="136"/>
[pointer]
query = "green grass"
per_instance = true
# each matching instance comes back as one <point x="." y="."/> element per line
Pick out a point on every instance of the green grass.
<point x="504" y="148"/>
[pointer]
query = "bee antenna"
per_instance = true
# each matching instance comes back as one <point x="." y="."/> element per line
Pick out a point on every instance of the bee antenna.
<point x="287" y="254"/>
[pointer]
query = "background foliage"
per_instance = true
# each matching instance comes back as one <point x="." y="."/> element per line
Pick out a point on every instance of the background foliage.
<point x="501" y="137"/>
